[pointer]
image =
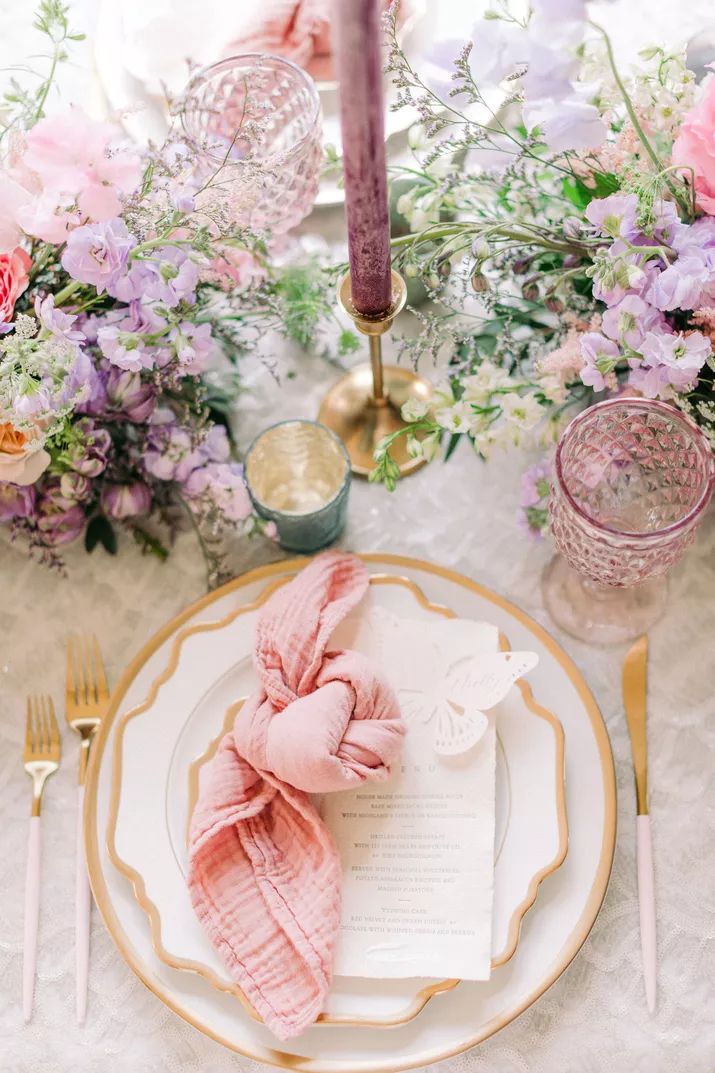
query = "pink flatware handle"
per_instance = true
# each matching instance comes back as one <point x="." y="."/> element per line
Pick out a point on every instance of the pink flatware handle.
<point x="83" y="914"/>
<point x="646" y="904"/>
<point x="32" y="916"/>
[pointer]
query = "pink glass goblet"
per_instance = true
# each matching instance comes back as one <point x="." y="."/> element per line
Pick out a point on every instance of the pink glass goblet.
<point x="254" y="125"/>
<point x="633" y="479"/>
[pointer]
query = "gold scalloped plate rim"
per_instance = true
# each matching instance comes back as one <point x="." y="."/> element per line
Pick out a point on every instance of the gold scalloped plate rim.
<point x="421" y="997"/>
<point x="282" y="1059"/>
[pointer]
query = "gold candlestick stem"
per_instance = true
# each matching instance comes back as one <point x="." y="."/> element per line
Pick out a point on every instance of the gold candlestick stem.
<point x="364" y="406"/>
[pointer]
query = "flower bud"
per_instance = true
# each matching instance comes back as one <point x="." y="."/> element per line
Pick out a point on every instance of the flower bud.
<point x="126" y="500"/>
<point x="480" y="283"/>
<point x="74" y="486"/>
<point x="480" y="249"/>
<point x="530" y="291"/>
<point x="554" y="305"/>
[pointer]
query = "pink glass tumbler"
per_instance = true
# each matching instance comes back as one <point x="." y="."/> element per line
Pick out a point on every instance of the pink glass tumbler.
<point x="254" y="125"/>
<point x="633" y="479"/>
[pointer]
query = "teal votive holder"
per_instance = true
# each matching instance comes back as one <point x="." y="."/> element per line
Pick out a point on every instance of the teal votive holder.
<point x="298" y="476"/>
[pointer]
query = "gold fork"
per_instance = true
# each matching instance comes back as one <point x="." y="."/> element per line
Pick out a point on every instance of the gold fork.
<point x="41" y="759"/>
<point x="87" y="700"/>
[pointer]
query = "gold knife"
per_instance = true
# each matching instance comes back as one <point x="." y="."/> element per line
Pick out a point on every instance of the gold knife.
<point x="635" y="688"/>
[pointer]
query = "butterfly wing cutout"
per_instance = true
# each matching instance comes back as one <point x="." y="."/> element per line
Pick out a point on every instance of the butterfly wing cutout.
<point x="473" y="686"/>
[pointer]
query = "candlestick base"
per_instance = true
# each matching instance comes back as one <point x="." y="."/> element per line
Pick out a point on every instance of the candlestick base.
<point x="351" y="411"/>
<point x="365" y="405"/>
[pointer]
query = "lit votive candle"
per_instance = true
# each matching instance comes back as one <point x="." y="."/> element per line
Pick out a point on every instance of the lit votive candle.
<point x="298" y="476"/>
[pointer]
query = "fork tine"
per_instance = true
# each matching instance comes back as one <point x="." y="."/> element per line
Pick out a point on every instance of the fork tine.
<point x="29" y="736"/>
<point x="54" y="729"/>
<point x="89" y="671"/>
<point x="45" y="741"/>
<point x="79" y="670"/>
<point x="100" y="676"/>
<point x="71" y="683"/>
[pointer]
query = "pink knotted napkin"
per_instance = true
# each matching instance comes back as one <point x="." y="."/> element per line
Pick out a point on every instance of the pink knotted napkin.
<point x="264" y="874"/>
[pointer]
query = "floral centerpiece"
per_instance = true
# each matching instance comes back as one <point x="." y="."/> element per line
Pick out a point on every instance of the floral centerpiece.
<point x="126" y="294"/>
<point x="563" y="219"/>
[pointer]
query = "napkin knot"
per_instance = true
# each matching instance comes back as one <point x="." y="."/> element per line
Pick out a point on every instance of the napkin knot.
<point x="264" y="875"/>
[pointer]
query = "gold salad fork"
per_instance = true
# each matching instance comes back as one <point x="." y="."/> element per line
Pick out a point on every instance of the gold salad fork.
<point x="87" y="700"/>
<point x="41" y="759"/>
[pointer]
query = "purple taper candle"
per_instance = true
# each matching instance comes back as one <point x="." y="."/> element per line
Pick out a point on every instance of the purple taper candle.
<point x="358" y="55"/>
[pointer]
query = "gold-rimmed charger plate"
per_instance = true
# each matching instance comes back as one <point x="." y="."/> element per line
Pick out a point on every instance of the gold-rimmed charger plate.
<point x="184" y="698"/>
<point x="468" y="1013"/>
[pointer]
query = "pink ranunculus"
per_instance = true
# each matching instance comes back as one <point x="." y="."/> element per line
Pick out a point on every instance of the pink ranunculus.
<point x="13" y="198"/>
<point x="77" y="174"/>
<point x="695" y="147"/>
<point x="14" y="269"/>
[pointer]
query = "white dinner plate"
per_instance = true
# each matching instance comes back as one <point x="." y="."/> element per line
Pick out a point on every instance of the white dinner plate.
<point x="161" y="744"/>
<point x="552" y="932"/>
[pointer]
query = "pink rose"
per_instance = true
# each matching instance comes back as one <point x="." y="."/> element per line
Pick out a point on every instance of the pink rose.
<point x="14" y="268"/>
<point x="695" y="147"/>
<point x="21" y="462"/>
<point x="234" y="270"/>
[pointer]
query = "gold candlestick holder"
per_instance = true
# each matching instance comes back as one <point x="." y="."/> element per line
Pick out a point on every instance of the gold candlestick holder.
<point x="364" y="406"/>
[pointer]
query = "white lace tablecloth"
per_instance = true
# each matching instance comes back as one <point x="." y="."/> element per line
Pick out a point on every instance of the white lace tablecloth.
<point x="461" y="515"/>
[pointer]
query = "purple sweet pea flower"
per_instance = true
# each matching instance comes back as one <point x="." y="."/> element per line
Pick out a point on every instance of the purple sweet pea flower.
<point x="669" y="360"/>
<point x="98" y="253"/>
<point x="126" y="500"/>
<point x="601" y="356"/>
<point x="16" y="501"/>
<point x="629" y="320"/>
<point x="56" y="321"/>
<point x="614" y="216"/>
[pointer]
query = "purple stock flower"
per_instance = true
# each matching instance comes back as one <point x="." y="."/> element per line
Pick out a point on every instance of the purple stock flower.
<point x="681" y="284"/>
<point x="16" y="501"/>
<point x="129" y="397"/>
<point x="194" y="346"/>
<point x="220" y="486"/>
<point x="629" y="320"/>
<point x="614" y="216"/>
<point x="171" y="453"/>
<point x="123" y="349"/>
<point x="670" y="360"/>
<point x="98" y="253"/>
<point x="75" y="486"/>
<point x="533" y="503"/>
<point x="60" y="520"/>
<point x="172" y="276"/>
<point x="126" y="500"/>
<point x="601" y="356"/>
<point x="89" y="455"/>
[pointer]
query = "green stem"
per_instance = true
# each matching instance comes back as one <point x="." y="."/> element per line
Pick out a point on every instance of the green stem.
<point x="67" y="291"/>
<point x="634" y="118"/>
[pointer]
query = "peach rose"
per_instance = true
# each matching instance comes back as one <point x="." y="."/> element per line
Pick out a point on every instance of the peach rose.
<point x="14" y="268"/>
<point x="695" y="147"/>
<point x="20" y="461"/>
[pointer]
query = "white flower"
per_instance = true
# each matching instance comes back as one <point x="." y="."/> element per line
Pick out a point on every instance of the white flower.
<point x="522" y="411"/>
<point x="488" y="378"/>
<point x="553" y="388"/>
<point x="457" y="418"/>
<point x="417" y="138"/>
<point x="415" y="410"/>
<point x="430" y="446"/>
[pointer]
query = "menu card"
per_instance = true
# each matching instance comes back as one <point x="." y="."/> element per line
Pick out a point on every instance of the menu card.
<point x="418" y="851"/>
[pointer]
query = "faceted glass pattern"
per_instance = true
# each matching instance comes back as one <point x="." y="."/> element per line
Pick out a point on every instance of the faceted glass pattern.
<point x="255" y="124"/>
<point x="633" y="478"/>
